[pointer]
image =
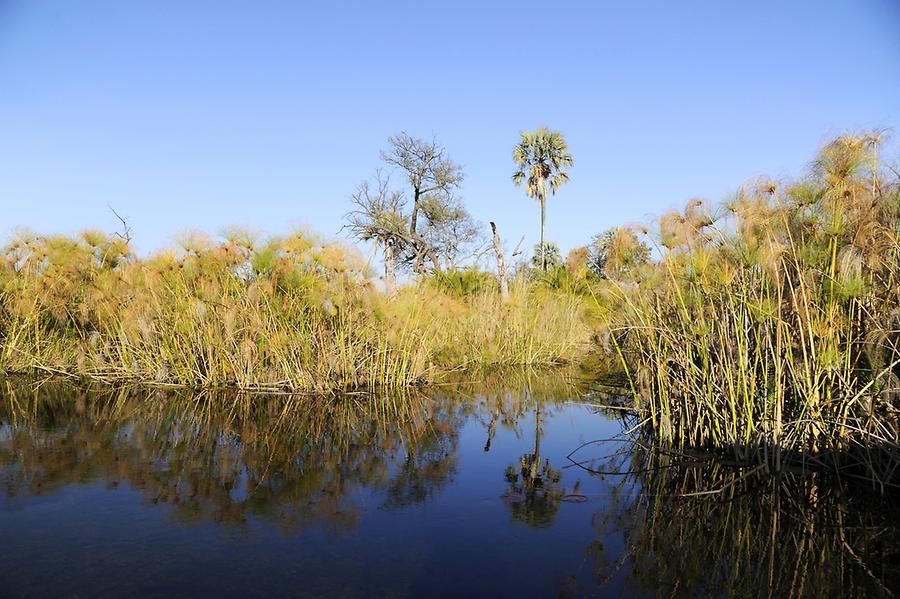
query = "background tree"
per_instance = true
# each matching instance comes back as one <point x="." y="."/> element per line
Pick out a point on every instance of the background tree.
<point x="542" y="157"/>
<point x="432" y="177"/>
<point x="448" y="230"/>
<point x="379" y="217"/>
<point x="551" y="258"/>
<point x="616" y="251"/>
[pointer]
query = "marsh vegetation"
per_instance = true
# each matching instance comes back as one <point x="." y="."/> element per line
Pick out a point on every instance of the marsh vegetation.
<point x="286" y="314"/>
<point x="764" y="327"/>
<point x="767" y="326"/>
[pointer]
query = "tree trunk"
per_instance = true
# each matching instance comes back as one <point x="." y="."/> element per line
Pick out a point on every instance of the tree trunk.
<point x="501" y="267"/>
<point x="415" y="211"/>
<point x="419" y="266"/>
<point x="543" y="220"/>
<point x="390" y="278"/>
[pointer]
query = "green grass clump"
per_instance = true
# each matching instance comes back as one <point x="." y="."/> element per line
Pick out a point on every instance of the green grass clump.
<point x="290" y="313"/>
<point x="771" y="327"/>
<point x="464" y="282"/>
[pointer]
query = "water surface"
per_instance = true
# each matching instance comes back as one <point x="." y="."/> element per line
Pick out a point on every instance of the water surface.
<point x="464" y="491"/>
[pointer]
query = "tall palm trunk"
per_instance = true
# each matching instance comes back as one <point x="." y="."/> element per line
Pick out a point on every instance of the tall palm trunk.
<point x="543" y="221"/>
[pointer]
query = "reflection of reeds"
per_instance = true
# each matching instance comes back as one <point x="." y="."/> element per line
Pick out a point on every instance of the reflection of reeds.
<point x="797" y="535"/>
<point x="773" y="325"/>
<point x="289" y="460"/>
<point x="225" y="457"/>
<point x="287" y="314"/>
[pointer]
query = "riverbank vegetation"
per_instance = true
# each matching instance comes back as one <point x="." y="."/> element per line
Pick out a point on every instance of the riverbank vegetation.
<point x="766" y="326"/>
<point x="295" y="313"/>
<point x="769" y="325"/>
<point x="291" y="313"/>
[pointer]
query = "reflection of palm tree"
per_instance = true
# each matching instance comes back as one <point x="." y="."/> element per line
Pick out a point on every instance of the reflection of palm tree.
<point x="536" y="454"/>
<point x="534" y="486"/>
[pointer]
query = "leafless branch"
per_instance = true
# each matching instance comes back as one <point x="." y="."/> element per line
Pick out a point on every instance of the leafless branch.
<point x="127" y="231"/>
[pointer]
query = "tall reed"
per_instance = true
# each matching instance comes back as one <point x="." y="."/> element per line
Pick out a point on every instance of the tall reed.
<point x="770" y="326"/>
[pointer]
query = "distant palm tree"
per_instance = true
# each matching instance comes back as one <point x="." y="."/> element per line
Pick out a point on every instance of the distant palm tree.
<point x="542" y="157"/>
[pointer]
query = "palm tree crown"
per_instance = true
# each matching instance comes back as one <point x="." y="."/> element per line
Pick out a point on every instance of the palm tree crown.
<point x="542" y="156"/>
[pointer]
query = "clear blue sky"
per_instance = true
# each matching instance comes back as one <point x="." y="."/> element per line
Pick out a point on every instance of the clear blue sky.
<point x="197" y="115"/>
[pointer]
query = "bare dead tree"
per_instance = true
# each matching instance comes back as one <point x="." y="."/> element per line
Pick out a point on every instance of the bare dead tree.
<point x="501" y="267"/>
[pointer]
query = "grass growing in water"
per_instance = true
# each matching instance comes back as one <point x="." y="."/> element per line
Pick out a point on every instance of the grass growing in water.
<point x="770" y="328"/>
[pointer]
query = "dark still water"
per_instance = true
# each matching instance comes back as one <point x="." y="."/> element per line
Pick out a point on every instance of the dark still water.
<point x="466" y="491"/>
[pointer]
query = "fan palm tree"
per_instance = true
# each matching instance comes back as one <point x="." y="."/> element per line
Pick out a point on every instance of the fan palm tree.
<point x="542" y="157"/>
